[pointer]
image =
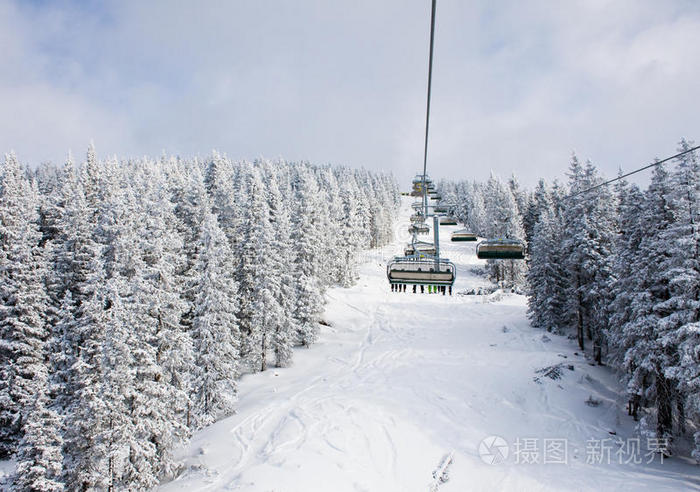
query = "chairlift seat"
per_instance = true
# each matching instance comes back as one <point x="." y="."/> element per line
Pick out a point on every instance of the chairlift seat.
<point x="463" y="235"/>
<point x="421" y="271"/>
<point x="448" y="221"/>
<point x="500" y="249"/>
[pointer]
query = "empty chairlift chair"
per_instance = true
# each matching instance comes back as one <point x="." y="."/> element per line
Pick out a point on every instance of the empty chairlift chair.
<point x="419" y="248"/>
<point x="410" y="270"/>
<point x="419" y="228"/>
<point x="500" y="249"/>
<point x="463" y="235"/>
<point x="448" y="220"/>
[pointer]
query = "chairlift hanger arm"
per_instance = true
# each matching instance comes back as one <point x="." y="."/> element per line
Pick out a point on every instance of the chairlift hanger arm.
<point x="427" y="110"/>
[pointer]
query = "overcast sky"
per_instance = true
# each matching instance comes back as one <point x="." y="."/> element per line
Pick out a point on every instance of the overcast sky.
<point x="517" y="85"/>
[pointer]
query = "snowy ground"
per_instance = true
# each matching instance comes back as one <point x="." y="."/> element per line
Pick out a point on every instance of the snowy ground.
<point x="400" y="381"/>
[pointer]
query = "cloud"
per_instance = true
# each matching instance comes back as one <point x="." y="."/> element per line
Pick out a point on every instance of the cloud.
<point x="517" y="85"/>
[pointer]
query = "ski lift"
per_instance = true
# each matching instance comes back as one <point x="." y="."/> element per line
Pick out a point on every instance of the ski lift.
<point x="448" y="220"/>
<point x="440" y="209"/>
<point x="419" y="228"/>
<point x="418" y="181"/>
<point x="420" y="248"/>
<point x="417" y="217"/>
<point x="419" y="270"/>
<point x="500" y="249"/>
<point x="463" y="235"/>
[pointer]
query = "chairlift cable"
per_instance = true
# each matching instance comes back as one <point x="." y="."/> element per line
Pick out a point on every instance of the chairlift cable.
<point x="633" y="172"/>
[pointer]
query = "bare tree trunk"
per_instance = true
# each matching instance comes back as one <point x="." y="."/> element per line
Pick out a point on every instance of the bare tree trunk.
<point x="579" y="313"/>
<point x="664" y="406"/>
<point x="263" y="353"/>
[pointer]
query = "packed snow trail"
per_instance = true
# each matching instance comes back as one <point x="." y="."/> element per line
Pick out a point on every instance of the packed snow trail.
<point x="399" y="381"/>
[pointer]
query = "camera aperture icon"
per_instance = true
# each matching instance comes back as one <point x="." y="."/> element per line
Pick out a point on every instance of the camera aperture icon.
<point x="493" y="450"/>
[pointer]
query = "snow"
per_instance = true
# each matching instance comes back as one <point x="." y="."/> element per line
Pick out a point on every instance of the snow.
<point x="400" y="381"/>
<point x="7" y="468"/>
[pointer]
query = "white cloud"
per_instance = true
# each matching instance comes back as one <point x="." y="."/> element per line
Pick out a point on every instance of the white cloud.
<point x="517" y="85"/>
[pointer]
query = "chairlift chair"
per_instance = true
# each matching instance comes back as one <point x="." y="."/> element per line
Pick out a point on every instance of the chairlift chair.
<point x="420" y="248"/>
<point x="419" y="228"/>
<point x="448" y="220"/>
<point x="500" y="249"/>
<point x="418" y="270"/>
<point x="418" y="178"/>
<point x="463" y="235"/>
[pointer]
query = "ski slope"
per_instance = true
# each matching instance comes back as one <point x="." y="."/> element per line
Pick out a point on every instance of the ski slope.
<point x="401" y="382"/>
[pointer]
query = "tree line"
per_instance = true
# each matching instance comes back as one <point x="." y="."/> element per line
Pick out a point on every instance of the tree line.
<point x="616" y="268"/>
<point x="135" y="293"/>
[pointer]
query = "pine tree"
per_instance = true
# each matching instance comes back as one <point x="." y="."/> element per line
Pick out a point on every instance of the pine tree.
<point x="625" y="264"/>
<point x="118" y="384"/>
<point x="39" y="456"/>
<point x="307" y="238"/>
<point x="547" y="276"/>
<point x="504" y="221"/>
<point x="23" y="303"/>
<point x="638" y="337"/>
<point x="215" y="332"/>
<point x="282" y="256"/>
<point x="258" y="307"/>
<point x="86" y="411"/>
<point x="677" y="361"/>
<point x="590" y="232"/>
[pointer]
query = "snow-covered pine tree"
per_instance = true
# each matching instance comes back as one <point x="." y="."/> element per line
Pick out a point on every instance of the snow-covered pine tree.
<point x="307" y="238"/>
<point x="86" y="412"/>
<point x="504" y="221"/>
<point x="164" y="351"/>
<point x="284" y="328"/>
<point x="678" y="332"/>
<point x="215" y="332"/>
<point x="547" y="275"/>
<point x="638" y="338"/>
<point x="477" y="211"/>
<point x="536" y="204"/>
<point x="117" y="385"/>
<point x="259" y="310"/>
<point x="330" y="223"/>
<point x="23" y="304"/>
<point x="520" y="196"/>
<point x="351" y="234"/>
<point x="39" y="454"/>
<point x="631" y="209"/>
<point x="590" y="230"/>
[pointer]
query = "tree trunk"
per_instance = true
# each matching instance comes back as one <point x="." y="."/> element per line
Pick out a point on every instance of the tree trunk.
<point x="680" y="409"/>
<point x="579" y="314"/>
<point x="664" y="407"/>
<point x="263" y="353"/>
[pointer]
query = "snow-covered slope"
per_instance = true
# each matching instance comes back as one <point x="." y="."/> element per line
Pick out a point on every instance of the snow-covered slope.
<point x="399" y="381"/>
